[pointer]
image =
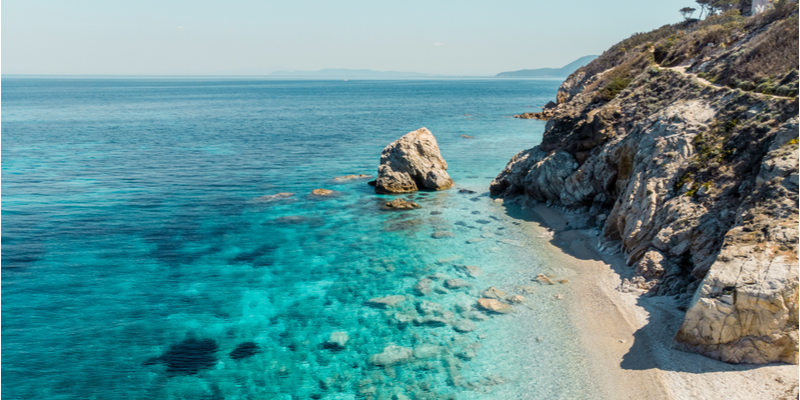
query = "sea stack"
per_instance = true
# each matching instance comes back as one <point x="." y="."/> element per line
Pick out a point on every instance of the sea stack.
<point x="412" y="163"/>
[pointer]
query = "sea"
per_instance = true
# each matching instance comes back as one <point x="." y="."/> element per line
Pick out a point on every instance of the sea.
<point x="160" y="240"/>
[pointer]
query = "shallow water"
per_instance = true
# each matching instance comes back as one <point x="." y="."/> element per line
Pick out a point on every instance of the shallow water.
<point x="143" y="256"/>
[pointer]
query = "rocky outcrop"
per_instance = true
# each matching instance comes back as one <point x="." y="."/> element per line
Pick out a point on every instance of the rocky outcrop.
<point x="696" y="184"/>
<point x="412" y="163"/>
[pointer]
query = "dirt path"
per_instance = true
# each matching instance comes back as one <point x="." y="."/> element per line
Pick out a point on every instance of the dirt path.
<point x="682" y="70"/>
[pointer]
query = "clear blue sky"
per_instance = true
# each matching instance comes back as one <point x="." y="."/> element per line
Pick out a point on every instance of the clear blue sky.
<point x="209" y="37"/>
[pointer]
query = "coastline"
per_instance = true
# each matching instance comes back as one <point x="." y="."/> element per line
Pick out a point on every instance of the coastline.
<point x="632" y="358"/>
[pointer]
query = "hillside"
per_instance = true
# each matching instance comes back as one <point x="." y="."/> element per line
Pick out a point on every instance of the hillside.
<point x="681" y="146"/>
<point x="562" y="72"/>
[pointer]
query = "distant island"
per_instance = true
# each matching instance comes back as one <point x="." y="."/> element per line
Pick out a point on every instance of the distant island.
<point x="563" y="72"/>
<point x="351" y="73"/>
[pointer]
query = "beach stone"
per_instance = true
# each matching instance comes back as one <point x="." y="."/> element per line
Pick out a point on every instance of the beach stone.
<point x="467" y="191"/>
<point x="464" y="326"/>
<point x="400" y="204"/>
<point x="470" y="270"/>
<point x="391" y="355"/>
<point x="386" y="302"/>
<point x="423" y="352"/>
<point x="493" y="293"/>
<point x="423" y="287"/>
<point x="456" y="283"/>
<point x="411" y="163"/>
<point x="337" y="340"/>
<point x="322" y="192"/>
<point x="475" y="240"/>
<point x="494" y="306"/>
<point x="442" y="234"/>
<point x="517" y="299"/>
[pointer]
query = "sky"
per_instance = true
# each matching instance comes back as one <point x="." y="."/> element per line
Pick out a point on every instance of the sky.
<point x="465" y="37"/>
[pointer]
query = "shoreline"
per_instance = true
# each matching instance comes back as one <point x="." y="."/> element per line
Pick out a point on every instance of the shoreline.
<point x="628" y="336"/>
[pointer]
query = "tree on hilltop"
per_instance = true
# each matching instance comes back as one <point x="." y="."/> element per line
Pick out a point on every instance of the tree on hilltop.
<point x="687" y="12"/>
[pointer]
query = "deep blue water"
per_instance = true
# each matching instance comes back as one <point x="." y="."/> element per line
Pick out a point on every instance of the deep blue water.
<point x="140" y="247"/>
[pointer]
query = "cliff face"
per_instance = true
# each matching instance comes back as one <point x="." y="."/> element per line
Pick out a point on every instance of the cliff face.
<point x="697" y="183"/>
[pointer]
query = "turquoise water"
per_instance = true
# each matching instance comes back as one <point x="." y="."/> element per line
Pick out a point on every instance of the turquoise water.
<point x="144" y="257"/>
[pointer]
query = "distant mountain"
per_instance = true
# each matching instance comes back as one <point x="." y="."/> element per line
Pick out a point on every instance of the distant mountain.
<point x="349" y="73"/>
<point x="548" y="72"/>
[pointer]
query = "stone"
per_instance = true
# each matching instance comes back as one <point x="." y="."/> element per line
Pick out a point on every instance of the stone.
<point x="493" y="293"/>
<point x="442" y="234"/>
<point x="423" y="287"/>
<point x="466" y="191"/>
<point x="412" y="163"/>
<point x="322" y="192"/>
<point x="651" y="265"/>
<point x="517" y="299"/>
<point x="337" y="340"/>
<point x="386" y="302"/>
<point x="475" y="240"/>
<point x="429" y="308"/>
<point x="464" y="326"/>
<point x="494" y="306"/>
<point x="470" y="270"/>
<point x="400" y="204"/>
<point x="188" y="357"/>
<point x="467" y="354"/>
<point x="456" y="283"/>
<point x="392" y="355"/>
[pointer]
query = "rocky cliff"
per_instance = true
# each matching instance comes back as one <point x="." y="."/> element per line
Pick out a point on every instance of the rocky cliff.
<point x="681" y="144"/>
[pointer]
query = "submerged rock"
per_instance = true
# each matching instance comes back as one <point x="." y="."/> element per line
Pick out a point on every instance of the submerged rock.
<point x="423" y="287"/>
<point x="423" y="352"/>
<point x="337" y="340"/>
<point x="322" y="192"/>
<point x="493" y="293"/>
<point x="456" y="283"/>
<point x="273" y="197"/>
<point x="386" y="302"/>
<point x="400" y="204"/>
<point x="411" y="163"/>
<point x="244" y="350"/>
<point x="464" y="326"/>
<point x="442" y="234"/>
<point x="470" y="270"/>
<point x="517" y="299"/>
<point x="351" y="177"/>
<point x="495" y="306"/>
<point x="391" y="355"/>
<point x="188" y="357"/>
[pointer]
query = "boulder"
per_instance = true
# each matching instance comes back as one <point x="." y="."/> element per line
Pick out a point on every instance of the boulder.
<point x="411" y="163"/>
<point x="495" y="306"/>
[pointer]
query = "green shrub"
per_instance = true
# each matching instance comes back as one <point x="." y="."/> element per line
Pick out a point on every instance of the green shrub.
<point x="614" y="87"/>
